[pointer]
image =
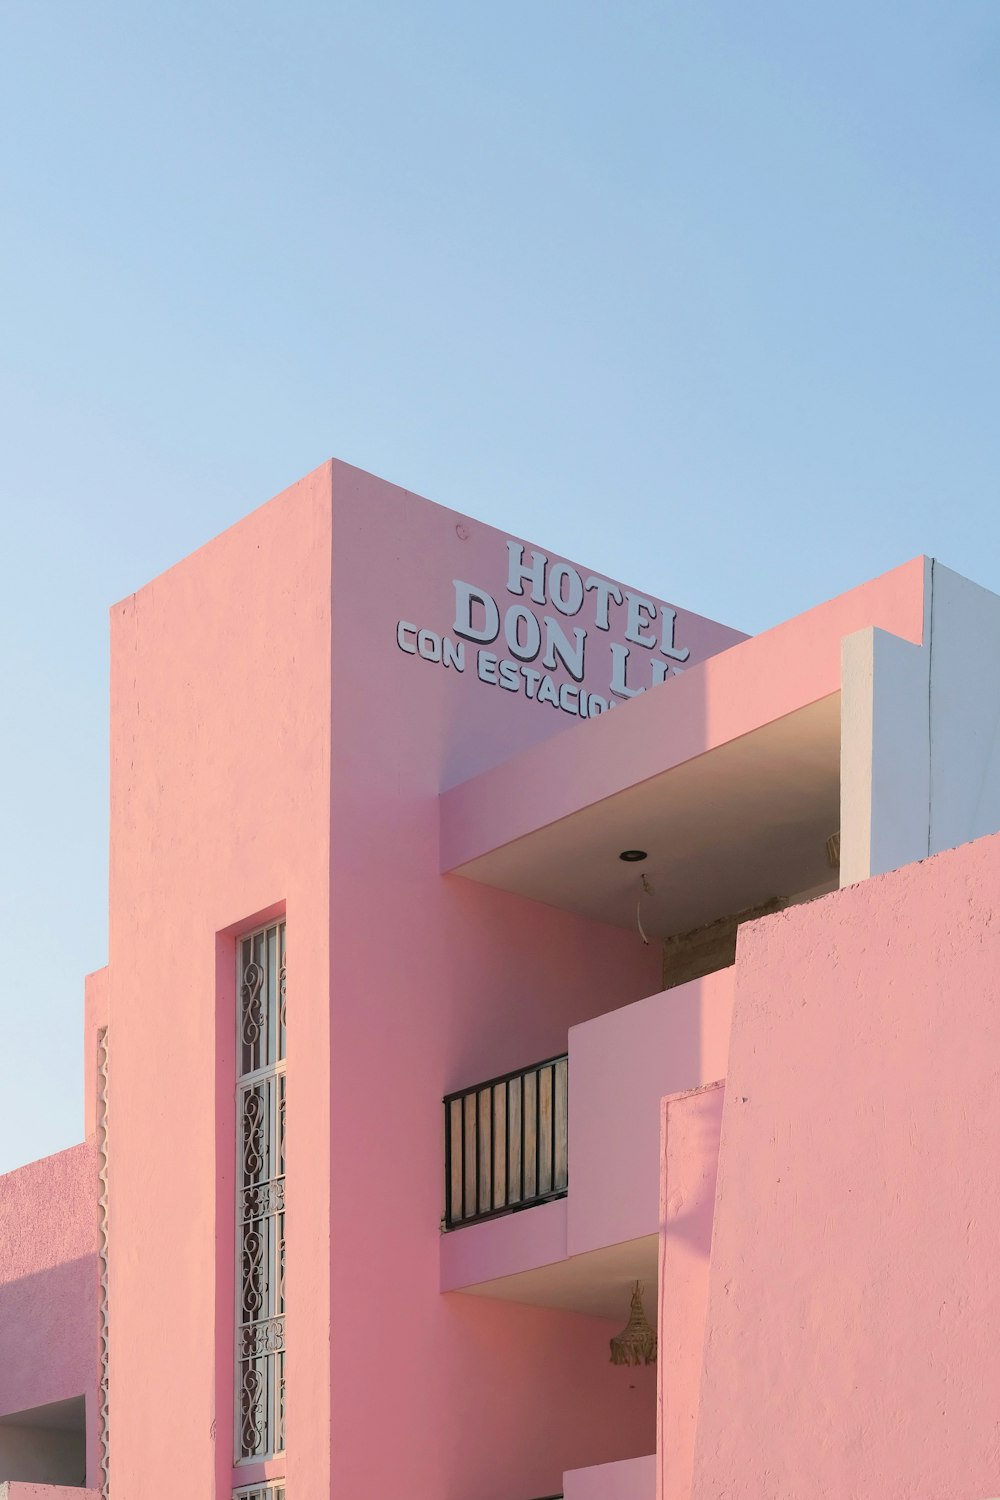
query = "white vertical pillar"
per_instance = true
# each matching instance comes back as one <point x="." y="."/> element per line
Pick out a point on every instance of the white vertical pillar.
<point x="884" y="754"/>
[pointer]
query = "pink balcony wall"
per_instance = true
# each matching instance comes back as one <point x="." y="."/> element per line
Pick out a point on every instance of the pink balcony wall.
<point x="620" y="1067"/>
<point x="48" y="1286"/>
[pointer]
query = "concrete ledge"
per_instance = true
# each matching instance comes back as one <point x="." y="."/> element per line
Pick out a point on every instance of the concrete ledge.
<point x="631" y="1479"/>
<point x="503" y="1247"/>
<point x="16" y="1489"/>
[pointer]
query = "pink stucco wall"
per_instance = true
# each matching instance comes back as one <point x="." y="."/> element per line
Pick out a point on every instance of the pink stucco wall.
<point x="274" y="748"/>
<point x="437" y="984"/>
<point x="620" y="1067"/>
<point x="851" y="1335"/>
<point x="220" y="774"/>
<point x="48" y="1285"/>
<point x="95" y="1019"/>
<point x="689" y="1145"/>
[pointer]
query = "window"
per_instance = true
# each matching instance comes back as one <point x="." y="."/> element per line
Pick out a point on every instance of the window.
<point x="260" y="1251"/>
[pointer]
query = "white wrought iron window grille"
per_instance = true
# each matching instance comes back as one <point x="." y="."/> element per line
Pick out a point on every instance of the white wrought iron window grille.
<point x="260" y="1251"/>
<point x="273" y="1491"/>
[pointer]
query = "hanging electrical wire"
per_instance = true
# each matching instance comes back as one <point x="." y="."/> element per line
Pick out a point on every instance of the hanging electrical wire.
<point x="645" y="889"/>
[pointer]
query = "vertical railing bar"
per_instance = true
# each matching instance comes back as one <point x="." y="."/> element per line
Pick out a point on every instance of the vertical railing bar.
<point x="506" y="1145"/>
<point x="492" y="1142"/>
<point x="464" y="1142"/>
<point x="552" y="1175"/>
<point x="523" y="1139"/>
<point x="447" y="1165"/>
<point x="476" y="1157"/>
<point x="465" y="1201"/>
<point x="538" y="1132"/>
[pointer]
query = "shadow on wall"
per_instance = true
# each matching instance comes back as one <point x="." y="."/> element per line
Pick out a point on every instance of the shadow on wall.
<point x="46" y="1444"/>
<point x="48" y="1372"/>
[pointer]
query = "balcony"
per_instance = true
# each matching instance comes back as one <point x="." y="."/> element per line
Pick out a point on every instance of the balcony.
<point x="506" y="1143"/>
<point x="510" y="1143"/>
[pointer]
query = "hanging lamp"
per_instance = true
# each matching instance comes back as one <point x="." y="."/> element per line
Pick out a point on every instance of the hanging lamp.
<point x="636" y="1344"/>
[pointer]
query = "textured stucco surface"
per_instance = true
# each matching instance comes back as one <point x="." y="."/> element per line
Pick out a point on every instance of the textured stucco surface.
<point x="220" y="744"/>
<point x="48" y="1213"/>
<point x="689" y="1151"/>
<point x="851" y="1341"/>
<point x="15" y="1490"/>
<point x="272" y="746"/>
<point x="437" y="983"/>
<point x="48" y="1266"/>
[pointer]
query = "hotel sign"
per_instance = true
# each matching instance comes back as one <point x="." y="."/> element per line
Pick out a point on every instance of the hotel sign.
<point x="552" y="634"/>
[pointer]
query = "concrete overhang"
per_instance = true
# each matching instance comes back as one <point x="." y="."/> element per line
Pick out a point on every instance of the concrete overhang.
<point x="58" y="1416"/>
<point x="598" y="1283"/>
<point x="728" y="775"/>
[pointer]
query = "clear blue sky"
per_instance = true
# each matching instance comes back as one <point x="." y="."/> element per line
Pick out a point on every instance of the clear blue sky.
<point x="704" y="295"/>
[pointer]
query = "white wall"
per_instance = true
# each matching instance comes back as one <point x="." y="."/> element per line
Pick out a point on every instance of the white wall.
<point x="920" y="732"/>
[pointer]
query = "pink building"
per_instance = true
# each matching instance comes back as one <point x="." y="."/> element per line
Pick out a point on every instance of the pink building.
<point x="506" y="818"/>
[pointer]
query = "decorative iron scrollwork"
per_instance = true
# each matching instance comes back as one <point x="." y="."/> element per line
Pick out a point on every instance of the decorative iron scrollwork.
<point x="254" y="1134"/>
<point x="252" y="1408"/>
<point x="266" y="1337"/>
<point x="252" y="1001"/>
<point x="263" y="1198"/>
<point x="260" y="1335"/>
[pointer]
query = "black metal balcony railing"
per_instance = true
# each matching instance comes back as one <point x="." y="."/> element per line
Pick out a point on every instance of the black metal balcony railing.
<point x="505" y="1143"/>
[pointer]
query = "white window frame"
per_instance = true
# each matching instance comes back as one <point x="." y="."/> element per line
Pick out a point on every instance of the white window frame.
<point x="260" y="1193"/>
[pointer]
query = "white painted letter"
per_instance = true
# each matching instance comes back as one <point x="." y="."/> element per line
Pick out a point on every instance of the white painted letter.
<point x="571" y="605"/>
<point x="557" y="645"/>
<point x="465" y="597"/>
<point x="532" y="644"/>
<point x="547" y="692"/>
<point x="401" y="628"/>
<point x="508" y="675"/>
<point x="517" y="572"/>
<point x="429" y="645"/>
<point x="454" y="653"/>
<point x="640" y="612"/>
<point x="667" y="643"/>
<point x="605" y="591"/>
<point x="619" y="656"/>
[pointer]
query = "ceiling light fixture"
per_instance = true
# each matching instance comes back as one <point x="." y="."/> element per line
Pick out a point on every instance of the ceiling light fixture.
<point x="632" y="856"/>
<point x="636" y="1344"/>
